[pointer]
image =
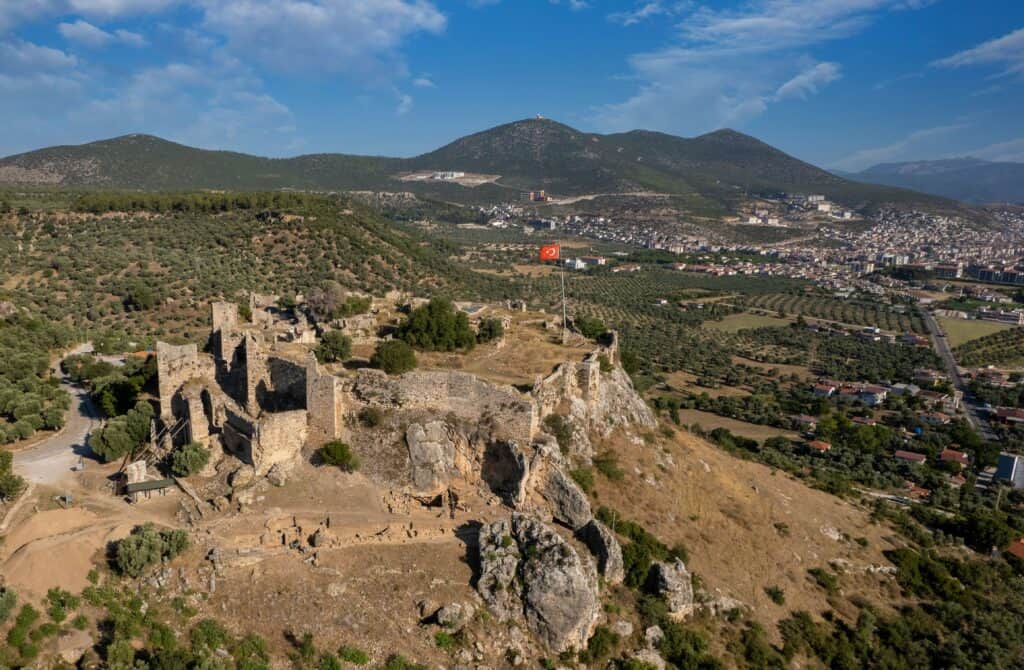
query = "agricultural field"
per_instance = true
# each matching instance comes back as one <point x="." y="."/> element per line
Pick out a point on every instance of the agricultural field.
<point x="737" y="322"/>
<point x="852" y="312"/>
<point x="961" y="331"/>
<point x="1002" y="349"/>
<point x="709" y="421"/>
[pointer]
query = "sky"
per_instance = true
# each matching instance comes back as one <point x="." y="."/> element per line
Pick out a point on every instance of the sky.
<point x="844" y="84"/>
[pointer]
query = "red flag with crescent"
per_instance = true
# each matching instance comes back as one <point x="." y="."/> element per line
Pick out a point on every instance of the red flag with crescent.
<point x="549" y="252"/>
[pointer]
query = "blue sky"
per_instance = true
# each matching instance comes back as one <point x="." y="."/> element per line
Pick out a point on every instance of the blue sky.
<point x="841" y="83"/>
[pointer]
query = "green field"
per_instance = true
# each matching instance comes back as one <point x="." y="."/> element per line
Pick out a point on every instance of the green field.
<point x="959" y="331"/>
<point x="737" y="322"/>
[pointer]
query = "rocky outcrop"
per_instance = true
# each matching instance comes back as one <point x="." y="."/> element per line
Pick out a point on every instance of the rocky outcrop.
<point x="432" y="454"/>
<point x="569" y="504"/>
<point x="606" y="549"/>
<point x="672" y="582"/>
<point x="527" y="569"/>
<point x="499" y="565"/>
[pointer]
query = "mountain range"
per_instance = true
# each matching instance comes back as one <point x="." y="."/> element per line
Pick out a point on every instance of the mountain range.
<point x="531" y="154"/>
<point x="969" y="180"/>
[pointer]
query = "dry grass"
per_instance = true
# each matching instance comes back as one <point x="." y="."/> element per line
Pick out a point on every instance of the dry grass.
<point x="747" y="527"/>
<point x="528" y="351"/>
<point x="709" y="421"/>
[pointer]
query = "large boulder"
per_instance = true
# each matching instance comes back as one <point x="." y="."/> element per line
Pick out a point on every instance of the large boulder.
<point x="569" y="504"/>
<point x="529" y="570"/>
<point x="606" y="549"/>
<point x="672" y="581"/>
<point x="432" y="454"/>
<point x="560" y="598"/>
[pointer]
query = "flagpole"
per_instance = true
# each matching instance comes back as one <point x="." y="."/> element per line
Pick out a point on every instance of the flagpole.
<point x="561" y="273"/>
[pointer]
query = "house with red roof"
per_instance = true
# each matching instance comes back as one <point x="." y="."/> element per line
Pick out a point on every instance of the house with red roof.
<point x="910" y="456"/>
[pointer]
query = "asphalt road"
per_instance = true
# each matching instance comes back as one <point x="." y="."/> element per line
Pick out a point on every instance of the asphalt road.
<point x="53" y="460"/>
<point x="945" y="352"/>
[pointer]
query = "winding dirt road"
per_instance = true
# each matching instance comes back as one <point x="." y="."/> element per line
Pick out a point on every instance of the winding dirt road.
<point x="54" y="459"/>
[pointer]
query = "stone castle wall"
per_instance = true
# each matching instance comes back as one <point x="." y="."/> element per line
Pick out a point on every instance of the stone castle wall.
<point x="513" y="416"/>
<point x="324" y="402"/>
<point x="176" y="365"/>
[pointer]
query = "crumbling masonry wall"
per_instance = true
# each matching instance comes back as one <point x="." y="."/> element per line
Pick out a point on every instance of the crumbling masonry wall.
<point x="325" y="403"/>
<point x="512" y="416"/>
<point x="176" y="365"/>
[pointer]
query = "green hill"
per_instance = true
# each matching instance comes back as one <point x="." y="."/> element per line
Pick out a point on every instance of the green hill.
<point x="530" y="154"/>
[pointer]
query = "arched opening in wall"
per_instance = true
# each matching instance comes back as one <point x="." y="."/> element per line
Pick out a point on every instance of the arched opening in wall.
<point x="504" y="469"/>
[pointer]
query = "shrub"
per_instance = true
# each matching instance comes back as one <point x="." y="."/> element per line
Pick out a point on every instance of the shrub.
<point x="607" y="464"/>
<point x="189" y="459"/>
<point x="394" y="357"/>
<point x="353" y="655"/>
<point x="60" y="602"/>
<point x="335" y="346"/>
<point x="776" y="595"/>
<point x="8" y="599"/>
<point x="444" y="640"/>
<point x="147" y="546"/>
<point x="590" y="327"/>
<point x="584" y="477"/>
<point x="599" y="646"/>
<point x="339" y="455"/>
<point x="489" y="330"/>
<point x="825" y="580"/>
<point x="560" y="429"/>
<point x="371" y="417"/>
<point x="399" y="662"/>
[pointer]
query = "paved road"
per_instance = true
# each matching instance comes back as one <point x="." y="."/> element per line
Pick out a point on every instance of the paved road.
<point x="945" y="352"/>
<point x="53" y="459"/>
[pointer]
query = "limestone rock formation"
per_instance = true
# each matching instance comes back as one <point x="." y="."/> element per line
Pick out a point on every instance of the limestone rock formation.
<point x="432" y="453"/>
<point x="606" y="549"/>
<point x="569" y="504"/>
<point x="528" y="569"/>
<point x="672" y="581"/>
<point x="499" y="564"/>
<point x="560" y="596"/>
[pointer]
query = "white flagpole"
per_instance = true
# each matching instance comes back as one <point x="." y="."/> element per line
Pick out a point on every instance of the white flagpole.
<point x="561" y="272"/>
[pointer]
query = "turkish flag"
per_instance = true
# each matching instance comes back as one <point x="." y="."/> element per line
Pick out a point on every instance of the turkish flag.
<point x="549" y="252"/>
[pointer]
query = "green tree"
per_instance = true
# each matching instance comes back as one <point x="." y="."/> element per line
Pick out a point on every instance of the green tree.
<point x="394" y="357"/>
<point x="147" y="546"/>
<point x="489" y="330"/>
<point x="189" y="459"/>
<point x="335" y="346"/>
<point x="437" y="326"/>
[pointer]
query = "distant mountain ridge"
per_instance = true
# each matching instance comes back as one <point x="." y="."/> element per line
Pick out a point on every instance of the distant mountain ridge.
<point x="529" y="155"/>
<point x="967" y="179"/>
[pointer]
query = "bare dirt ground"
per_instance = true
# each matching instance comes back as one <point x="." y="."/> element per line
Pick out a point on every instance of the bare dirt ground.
<point x="528" y="351"/>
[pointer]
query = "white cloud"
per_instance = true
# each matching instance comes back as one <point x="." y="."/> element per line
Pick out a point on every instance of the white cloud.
<point x="20" y="57"/>
<point x="650" y="9"/>
<point x="85" y="33"/>
<point x="809" y="81"/>
<point x="1006" y="51"/>
<point x="404" y="103"/>
<point x="424" y="82"/>
<point x="899" y="150"/>
<point x="15" y="12"/>
<point x="1010" y="151"/>
<point x="346" y="36"/>
<point x="574" y="5"/>
<point x="727" y="66"/>
<point x="130" y="38"/>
